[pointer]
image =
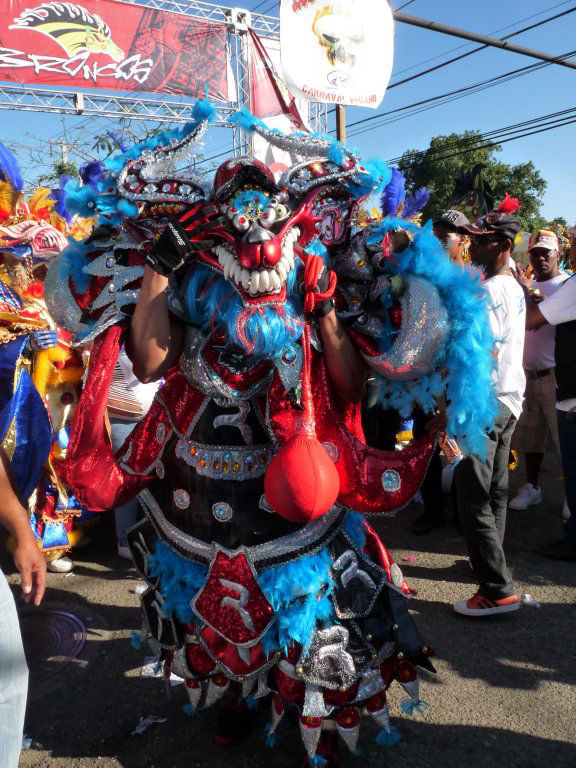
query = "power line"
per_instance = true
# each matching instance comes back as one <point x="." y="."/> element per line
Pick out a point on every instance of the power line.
<point x="479" y="48"/>
<point x="492" y="133"/>
<point x="552" y="120"/>
<point x="498" y="142"/>
<point x="259" y="6"/>
<point x="449" y="96"/>
<point x="266" y="10"/>
<point x="494" y="32"/>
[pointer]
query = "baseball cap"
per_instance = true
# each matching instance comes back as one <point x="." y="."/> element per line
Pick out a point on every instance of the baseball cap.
<point x="453" y="219"/>
<point x="495" y="223"/>
<point x="544" y="238"/>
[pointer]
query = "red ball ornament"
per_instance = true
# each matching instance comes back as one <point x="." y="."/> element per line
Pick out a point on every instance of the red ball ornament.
<point x="302" y="482"/>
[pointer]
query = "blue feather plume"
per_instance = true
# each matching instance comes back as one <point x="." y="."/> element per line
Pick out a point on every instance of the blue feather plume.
<point x="467" y="356"/>
<point x="204" y="110"/>
<point x="10" y="169"/>
<point x="119" y="143"/>
<point x="91" y="173"/>
<point x="394" y="193"/>
<point x="415" y="203"/>
<point x="59" y="195"/>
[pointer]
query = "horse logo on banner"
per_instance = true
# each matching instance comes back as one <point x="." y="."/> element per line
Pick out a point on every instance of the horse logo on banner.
<point x="72" y="27"/>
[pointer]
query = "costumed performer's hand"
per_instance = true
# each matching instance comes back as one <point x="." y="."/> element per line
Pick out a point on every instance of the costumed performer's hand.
<point x="31" y="564"/>
<point x="181" y="238"/>
<point x="317" y="284"/>
<point x="43" y="340"/>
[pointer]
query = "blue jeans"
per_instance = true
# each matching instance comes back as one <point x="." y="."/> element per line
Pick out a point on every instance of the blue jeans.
<point x="127" y="515"/>
<point x="567" y="436"/>
<point x="13" y="679"/>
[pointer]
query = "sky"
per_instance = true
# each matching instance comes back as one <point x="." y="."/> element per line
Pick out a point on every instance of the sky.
<point x="550" y="90"/>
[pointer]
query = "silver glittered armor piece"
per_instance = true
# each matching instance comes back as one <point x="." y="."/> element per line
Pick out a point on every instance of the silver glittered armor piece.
<point x="326" y="662"/>
<point x="422" y="336"/>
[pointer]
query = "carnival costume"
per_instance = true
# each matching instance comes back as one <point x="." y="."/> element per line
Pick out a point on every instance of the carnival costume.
<point x="256" y="483"/>
<point x="40" y="374"/>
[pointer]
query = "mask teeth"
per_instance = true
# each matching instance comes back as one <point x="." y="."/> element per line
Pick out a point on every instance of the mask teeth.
<point x="262" y="281"/>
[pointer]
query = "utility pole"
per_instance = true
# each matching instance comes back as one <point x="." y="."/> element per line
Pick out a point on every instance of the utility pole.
<point x="341" y="123"/>
<point x="492" y="42"/>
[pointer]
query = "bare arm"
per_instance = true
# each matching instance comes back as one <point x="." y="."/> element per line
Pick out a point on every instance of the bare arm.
<point x="534" y="317"/>
<point x="345" y="365"/>
<point x="27" y="557"/>
<point x="155" y="340"/>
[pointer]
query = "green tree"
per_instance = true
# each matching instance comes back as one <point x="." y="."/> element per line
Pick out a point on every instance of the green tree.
<point x="59" y="170"/>
<point x="448" y="157"/>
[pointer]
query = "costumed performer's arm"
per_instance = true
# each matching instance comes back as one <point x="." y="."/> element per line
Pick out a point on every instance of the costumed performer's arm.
<point x="345" y="365"/>
<point x="27" y="557"/>
<point x="155" y="339"/>
<point x="346" y="368"/>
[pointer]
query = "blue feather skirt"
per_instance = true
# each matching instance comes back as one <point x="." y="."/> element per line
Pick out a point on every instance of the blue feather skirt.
<point x="322" y="634"/>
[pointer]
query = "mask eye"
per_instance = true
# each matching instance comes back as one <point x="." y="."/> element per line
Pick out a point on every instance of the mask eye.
<point x="240" y="222"/>
<point x="268" y="217"/>
<point x="281" y="212"/>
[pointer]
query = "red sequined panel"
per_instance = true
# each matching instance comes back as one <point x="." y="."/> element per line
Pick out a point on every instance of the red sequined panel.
<point x="198" y="660"/>
<point x="288" y="688"/>
<point x="371" y="481"/>
<point x="176" y="398"/>
<point x="240" y="661"/>
<point x="231" y="601"/>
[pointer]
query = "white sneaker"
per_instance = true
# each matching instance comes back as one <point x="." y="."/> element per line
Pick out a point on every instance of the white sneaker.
<point x="565" y="511"/>
<point x="60" y="565"/>
<point x="527" y="496"/>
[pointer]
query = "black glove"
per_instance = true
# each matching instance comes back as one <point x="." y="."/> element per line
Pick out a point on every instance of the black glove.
<point x="170" y="251"/>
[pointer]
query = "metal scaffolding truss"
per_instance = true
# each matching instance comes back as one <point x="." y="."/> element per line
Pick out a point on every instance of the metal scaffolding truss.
<point x="98" y="104"/>
<point x="161" y="108"/>
<point x="266" y="26"/>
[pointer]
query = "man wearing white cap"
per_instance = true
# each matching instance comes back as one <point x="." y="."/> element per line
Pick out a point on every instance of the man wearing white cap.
<point x="538" y="418"/>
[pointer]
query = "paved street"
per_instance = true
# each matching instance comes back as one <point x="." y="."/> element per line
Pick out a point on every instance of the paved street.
<point x="504" y="694"/>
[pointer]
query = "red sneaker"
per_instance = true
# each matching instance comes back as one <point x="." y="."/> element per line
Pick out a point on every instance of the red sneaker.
<point x="479" y="605"/>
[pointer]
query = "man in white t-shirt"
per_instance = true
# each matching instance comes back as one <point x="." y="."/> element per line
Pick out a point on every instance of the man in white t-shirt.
<point x="538" y="419"/>
<point x="482" y="486"/>
<point x="560" y="310"/>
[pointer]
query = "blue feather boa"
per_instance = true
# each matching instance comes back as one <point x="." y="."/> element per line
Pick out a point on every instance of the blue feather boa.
<point x="292" y="589"/>
<point x="213" y="304"/>
<point x="472" y="406"/>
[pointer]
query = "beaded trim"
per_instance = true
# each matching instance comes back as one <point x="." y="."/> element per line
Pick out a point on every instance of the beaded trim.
<point x="225" y="462"/>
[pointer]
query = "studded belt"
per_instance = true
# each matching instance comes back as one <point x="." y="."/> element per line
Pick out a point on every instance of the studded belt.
<point x="222" y="462"/>
<point x="306" y="540"/>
